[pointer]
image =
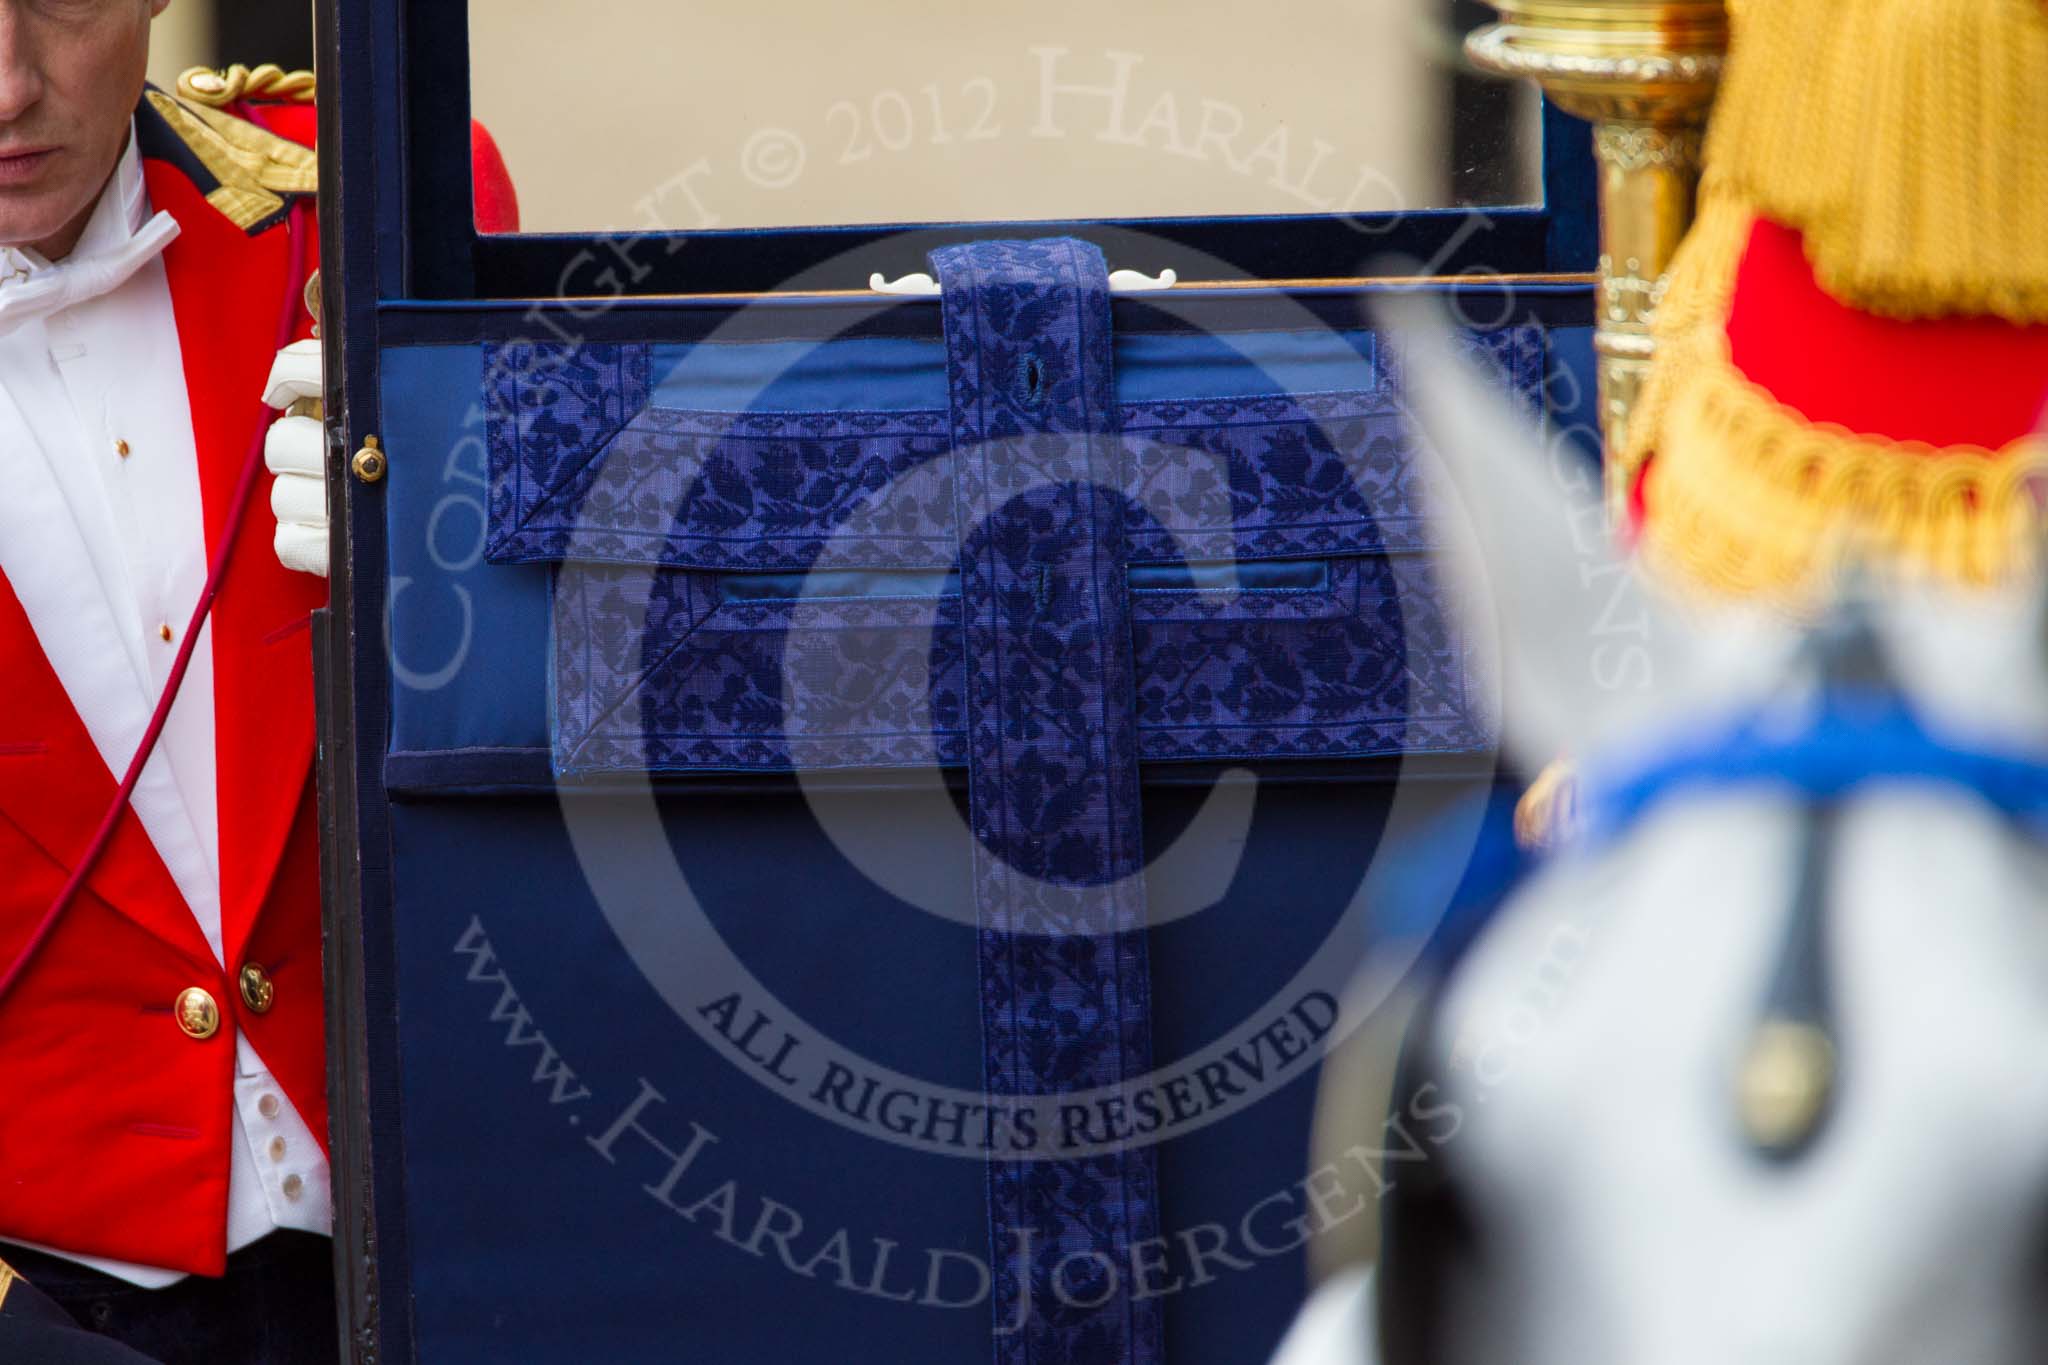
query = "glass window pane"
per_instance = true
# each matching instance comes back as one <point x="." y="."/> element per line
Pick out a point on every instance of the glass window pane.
<point x="640" y="114"/>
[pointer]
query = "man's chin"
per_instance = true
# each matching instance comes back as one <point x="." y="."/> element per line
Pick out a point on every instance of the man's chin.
<point x="39" y="219"/>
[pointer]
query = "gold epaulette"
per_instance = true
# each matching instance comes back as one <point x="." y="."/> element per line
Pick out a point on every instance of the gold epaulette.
<point x="253" y="168"/>
<point x="219" y="88"/>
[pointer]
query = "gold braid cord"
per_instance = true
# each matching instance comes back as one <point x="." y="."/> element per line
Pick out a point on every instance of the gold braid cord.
<point x="255" y="168"/>
<point x="1746" y="497"/>
<point x="219" y="89"/>
<point x="1907" y="140"/>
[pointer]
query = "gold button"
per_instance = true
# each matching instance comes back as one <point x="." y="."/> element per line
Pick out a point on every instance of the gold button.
<point x="277" y="1149"/>
<point x="164" y="630"/>
<point x="257" y="991"/>
<point x="197" y="1013"/>
<point x="121" y="449"/>
<point x="294" y="1186"/>
<point x="267" y="1106"/>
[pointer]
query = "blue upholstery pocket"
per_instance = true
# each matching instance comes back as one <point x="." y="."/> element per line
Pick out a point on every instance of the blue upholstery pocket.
<point x="769" y="590"/>
<point x="679" y="671"/>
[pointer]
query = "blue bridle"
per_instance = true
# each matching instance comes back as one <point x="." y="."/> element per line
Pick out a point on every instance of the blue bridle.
<point x="1849" y="741"/>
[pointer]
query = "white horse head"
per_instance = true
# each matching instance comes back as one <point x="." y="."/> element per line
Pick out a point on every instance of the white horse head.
<point x="1758" y="1074"/>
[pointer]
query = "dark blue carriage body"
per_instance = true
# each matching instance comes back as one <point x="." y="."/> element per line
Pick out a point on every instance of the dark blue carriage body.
<point x="660" y="637"/>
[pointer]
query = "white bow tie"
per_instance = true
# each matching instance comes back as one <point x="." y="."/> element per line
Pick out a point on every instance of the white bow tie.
<point x="75" y="279"/>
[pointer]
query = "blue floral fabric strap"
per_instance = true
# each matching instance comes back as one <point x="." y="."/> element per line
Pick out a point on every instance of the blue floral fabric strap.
<point x="1052" y="776"/>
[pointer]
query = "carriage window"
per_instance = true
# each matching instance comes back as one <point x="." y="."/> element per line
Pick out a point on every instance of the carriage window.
<point x="653" y="114"/>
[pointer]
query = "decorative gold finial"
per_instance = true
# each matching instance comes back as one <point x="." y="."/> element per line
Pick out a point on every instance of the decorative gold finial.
<point x="1644" y="72"/>
<point x="218" y="89"/>
<point x="1787" y="1077"/>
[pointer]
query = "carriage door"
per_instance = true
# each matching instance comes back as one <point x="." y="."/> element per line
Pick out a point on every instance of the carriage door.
<point x="852" y="812"/>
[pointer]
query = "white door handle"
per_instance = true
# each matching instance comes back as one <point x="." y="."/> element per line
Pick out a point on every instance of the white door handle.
<point x="921" y="285"/>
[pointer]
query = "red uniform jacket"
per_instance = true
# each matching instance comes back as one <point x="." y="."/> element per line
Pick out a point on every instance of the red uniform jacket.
<point x="114" y="1123"/>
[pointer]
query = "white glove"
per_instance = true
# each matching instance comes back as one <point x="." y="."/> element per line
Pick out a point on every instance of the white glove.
<point x="296" y="451"/>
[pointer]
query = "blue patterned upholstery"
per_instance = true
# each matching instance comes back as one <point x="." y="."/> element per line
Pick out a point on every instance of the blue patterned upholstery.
<point x="687" y="638"/>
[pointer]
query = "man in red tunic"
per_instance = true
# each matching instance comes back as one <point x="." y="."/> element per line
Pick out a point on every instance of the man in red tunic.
<point x="163" y="1170"/>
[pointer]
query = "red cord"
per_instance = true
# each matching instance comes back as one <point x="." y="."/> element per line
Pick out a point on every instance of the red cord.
<point x="215" y="572"/>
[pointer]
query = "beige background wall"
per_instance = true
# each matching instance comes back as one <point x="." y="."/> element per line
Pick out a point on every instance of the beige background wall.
<point x="645" y="113"/>
<point x="636" y="114"/>
<point x="181" y="37"/>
